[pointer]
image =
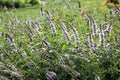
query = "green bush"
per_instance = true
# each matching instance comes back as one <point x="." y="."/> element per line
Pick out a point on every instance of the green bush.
<point x="27" y="1"/>
<point x="21" y="3"/>
<point x="6" y="3"/>
<point x="10" y="3"/>
<point x="17" y="3"/>
<point x="33" y="2"/>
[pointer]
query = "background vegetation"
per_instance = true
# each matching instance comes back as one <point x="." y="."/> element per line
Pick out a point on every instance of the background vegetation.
<point x="68" y="40"/>
<point x="18" y="3"/>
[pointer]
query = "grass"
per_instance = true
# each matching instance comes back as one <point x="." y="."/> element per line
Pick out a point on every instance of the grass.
<point x="59" y="41"/>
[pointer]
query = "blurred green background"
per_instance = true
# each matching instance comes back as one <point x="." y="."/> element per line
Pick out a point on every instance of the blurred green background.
<point x="19" y="3"/>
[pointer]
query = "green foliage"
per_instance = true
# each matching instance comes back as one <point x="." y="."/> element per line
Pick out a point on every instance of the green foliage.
<point x="33" y="2"/>
<point x="18" y="3"/>
<point x="57" y="43"/>
<point x="10" y="3"/>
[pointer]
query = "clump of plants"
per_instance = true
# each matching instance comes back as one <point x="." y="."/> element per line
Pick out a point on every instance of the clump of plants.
<point x="19" y="3"/>
<point x="61" y="44"/>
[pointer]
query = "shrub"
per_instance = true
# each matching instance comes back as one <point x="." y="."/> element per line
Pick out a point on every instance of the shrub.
<point x="34" y="2"/>
<point x="6" y="3"/>
<point x="18" y="3"/>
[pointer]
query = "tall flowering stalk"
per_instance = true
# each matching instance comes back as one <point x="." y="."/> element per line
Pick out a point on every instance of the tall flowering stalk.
<point x="52" y="26"/>
<point x="94" y="28"/>
<point x="69" y="70"/>
<point x="101" y="36"/>
<point x="37" y="27"/>
<point x="10" y="39"/>
<point x="89" y="20"/>
<point x="11" y="22"/>
<point x="65" y="32"/>
<point x="29" y="30"/>
<point x="46" y="43"/>
<point x="93" y="24"/>
<point x="17" y="21"/>
<point x="76" y="35"/>
<point x="50" y="75"/>
<point x="109" y="28"/>
<point x="90" y="41"/>
<point x="41" y="11"/>
<point x="49" y="16"/>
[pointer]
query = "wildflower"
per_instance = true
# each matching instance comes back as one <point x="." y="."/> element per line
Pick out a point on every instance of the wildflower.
<point x="77" y="74"/>
<point x="9" y="73"/>
<point x="49" y="15"/>
<point x="36" y="27"/>
<point x="65" y="32"/>
<point x="50" y="51"/>
<point x="102" y="37"/>
<point x="76" y="35"/>
<point x="17" y="21"/>
<point x="118" y="16"/>
<point x="58" y="17"/>
<point x="65" y="68"/>
<point x="90" y="41"/>
<point x="94" y="28"/>
<point x="46" y="43"/>
<point x="11" y="40"/>
<point x="110" y="3"/>
<point x="93" y="24"/>
<point x="109" y="28"/>
<point x="50" y="75"/>
<point x="83" y="11"/>
<point x="67" y="55"/>
<point x="107" y="45"/>
<point x="53" y="28"/>
<point x="23" y="54"/>
<point x="102" y="6"/>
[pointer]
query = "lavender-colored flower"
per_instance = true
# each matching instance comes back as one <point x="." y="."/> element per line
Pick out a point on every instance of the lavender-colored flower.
<point x="49" y="15"/>
<point x="46" y="43"/>
<point x="65" y="32"/>
<point x="102" y="37"/>
<point x="17" y="21"/>
<point x="9" y="73"/>
<point x="53" y="28"/>
<point x="50" y="75"/>
<point x="11" y="40"/>
<point x="36" y="27"/>
<point x="75" y="34"/>
<point x="109" y="28"/>
<point x="92" y="23"/>
<point x="90" y="41"/>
